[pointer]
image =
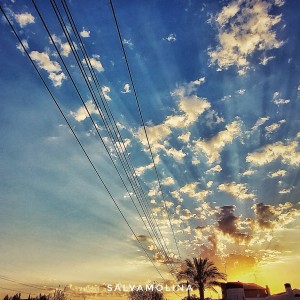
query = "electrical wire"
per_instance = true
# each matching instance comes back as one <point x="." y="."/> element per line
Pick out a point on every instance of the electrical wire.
<point x="21" y="283"/>
<point x="142" y="119"/>
<point x="87" y="82"/>
<point x="77" y="139"/>
<point x="112" y="121"/>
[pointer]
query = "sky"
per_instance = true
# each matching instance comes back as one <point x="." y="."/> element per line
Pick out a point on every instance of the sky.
<point x="216" y="85"/>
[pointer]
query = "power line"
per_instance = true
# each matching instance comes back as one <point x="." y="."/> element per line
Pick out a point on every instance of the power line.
<point x="77" y="139"/>
<point x="142" y="119"/>
<point x="87" y="81"/>
<point x="77" y="90"/>
<point x="21" y="283"/>
<point x="116" y="133"/>
<point x="54" y="6"/>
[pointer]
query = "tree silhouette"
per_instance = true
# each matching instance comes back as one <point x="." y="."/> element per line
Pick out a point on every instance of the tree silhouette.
<point x="202" y="273"/>
<point x="6" y="297"/>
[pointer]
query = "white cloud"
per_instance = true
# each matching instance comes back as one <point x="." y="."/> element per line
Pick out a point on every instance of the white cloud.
<point x="191" y="190"/>
<point x="264" y="60"/>
<point x="64" y="47"/>
<point x="186" y="214"/>
<point x="123" y="146"/>
<point x="285" y="191"/>
<point x="178" y="155"/>
<point x="24" y="19"/>
<point x="209" y="184"/>
<point x="53" y="68"/>
<point x="195" y="161"/>
<point x="215" y="169"/>
<point x="287" y="153"/>
<point x="226" y="98"/>
<point x="120" y="126"/>
<point x="95" y="62"/>
<point x="25" y="44"/>
<point x="248" y="172"/>
<point x="204" y="211"/>
<point x="191" y="107"/>
<point x="44" y="62"/>
<point x="85" y="33"/>
<point x="274" y="127"/>
<point x="57" y="78"/>
<point x="260" y="122"/>
<point x="241" y="91"/>
<point x="171" y="37"/>
<point x="279" y="173"/>
<point x="177" y="196"/>
<point x="141" y="170"/>
<point x="128" y="43"/>
<point x="199" y="81"/>
<point x="168" y="203"/>
<point x="188" y="88"/>
<point x="213" y="147"/>
<point x="168" y="181"/>
<point x="106" y="91"/>
<point x="237" y="190"/>
<point x="156" y="135"/>
<point x="81" y="113"/>
<point x="126" y="89"/>
<point x="185" y="137"/>
<point x="279" y="101"/>
<point x="244" y="27"/>
<point x="227" y="13"/>
<point x="279" y="2"/>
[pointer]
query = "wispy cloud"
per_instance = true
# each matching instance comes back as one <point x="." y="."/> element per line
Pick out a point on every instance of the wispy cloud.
<point x="64" y="47"/>
<point x="215" y="169"/>
<point x="128" y="43"/>
<point x="191" y="189"/>
<point x="24" y="19"/>
<point x="25" y="44"/>
<point x="142" y="169"/>
<point x="274" y="127"/>
<point x="213" y="147"/>
<point x="287" y="153"/>
<point x="264" y="59"/>
<point x="126" y="89"/>
<point x="53" y="68"/>
<point x="279" y="101"/>
<point x="81" y="114"/>
<point x="106" y="91"/>
<point x="279" y="173"/>
<point x="244" y="27"/>
<point x="95" y="62"/>
<point x="85" y="33"/>
<point x="168" y="181"/>
<point x="260" y="122"/>
<point x="190" y="106"/>
<point x="238" y="190"/>
<point x="171" y="38"/>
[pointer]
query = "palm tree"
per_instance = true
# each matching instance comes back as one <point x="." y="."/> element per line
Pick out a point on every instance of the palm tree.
<point x="202" y="273"/>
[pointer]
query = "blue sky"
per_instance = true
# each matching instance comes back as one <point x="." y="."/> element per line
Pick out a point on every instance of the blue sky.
<point x="218" y="86"/>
